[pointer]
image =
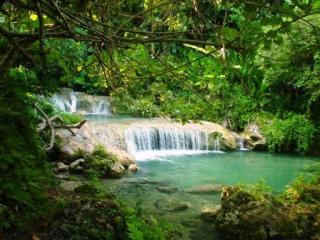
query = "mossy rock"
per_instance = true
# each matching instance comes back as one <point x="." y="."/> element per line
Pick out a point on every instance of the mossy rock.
<point x="102" y="164"/>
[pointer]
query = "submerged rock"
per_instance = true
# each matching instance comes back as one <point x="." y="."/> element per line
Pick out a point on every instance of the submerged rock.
<point x="190" y="222"/>
<point x="171" y="206"/>
<point x="209" y="214"/>
<point x="205" y="189"/>
<point x="167" y="189"/>
<point x="147" y="182"/>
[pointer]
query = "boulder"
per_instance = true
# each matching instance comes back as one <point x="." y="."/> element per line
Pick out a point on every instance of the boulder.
<point x="205" y="189"/>
<point x="133" y="168"/>
<point x="254" y="138"/>
<point x="123" y="157"/>
<point x="77" y="166"/>
<point x="61" y="167"/>
<point x="166" y="189"/>
<point x="227" y="140"/>
<point x="171" y="206"/>
<point x="115" y="171"/>
<point x="77" y="163"/>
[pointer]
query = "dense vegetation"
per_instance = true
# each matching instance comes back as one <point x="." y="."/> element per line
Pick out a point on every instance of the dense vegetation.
<point x="231" y="62"/>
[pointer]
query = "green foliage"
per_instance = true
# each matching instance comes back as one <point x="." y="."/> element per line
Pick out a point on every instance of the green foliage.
<point x="23" y="170"/>
<point x="259" y="190"/>
<point x="99" y="162"/>
<point x="140" y="227"/>
<point x="294" y="133"/>
<point x="69" y="118"/>
<point x="304" y="190"/>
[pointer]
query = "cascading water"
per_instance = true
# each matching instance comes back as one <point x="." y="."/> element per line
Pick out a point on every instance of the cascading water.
<point x="216" y="145"/>
<point x="144" y="142"/>
<point x="78" y="102"/>
<point x="241" y="145"/>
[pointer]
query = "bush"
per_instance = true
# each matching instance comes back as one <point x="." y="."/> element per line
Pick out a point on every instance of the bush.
<point x="294" y="133"/>
<point x="99" y="162"/>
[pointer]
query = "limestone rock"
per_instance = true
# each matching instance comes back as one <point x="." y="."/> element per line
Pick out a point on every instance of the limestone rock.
<point x="123" y="157"/>
<point x="77" y="163"/>
<point x="171" y="206"/>
<point x="205" y="189"/>
<point x="254" y="138"/>
<point x="61" y="167"/>
<point x="115" y="171"/>
<point x="112" y="136"/>
<point x="63" y="176"/>
<point x="133" y="168"/>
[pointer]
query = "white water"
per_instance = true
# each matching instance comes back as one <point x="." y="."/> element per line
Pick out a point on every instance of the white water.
<point x="241" y="145"/>
<point x="155" y="142"/>
<point x="78" y="102"/>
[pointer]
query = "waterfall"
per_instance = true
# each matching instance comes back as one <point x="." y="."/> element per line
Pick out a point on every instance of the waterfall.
<point x="216" y="145"/>
<point x="79" y="102"/>
<point x="165" y="140"/>
<point x="241" y="144"/>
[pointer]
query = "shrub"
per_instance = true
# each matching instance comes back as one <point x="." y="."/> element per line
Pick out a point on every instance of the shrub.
<point x="99" y="162"/>
<point x="294" y="133"/>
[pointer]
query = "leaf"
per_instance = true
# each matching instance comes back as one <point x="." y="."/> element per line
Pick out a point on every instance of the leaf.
<point x="210" y="75"/>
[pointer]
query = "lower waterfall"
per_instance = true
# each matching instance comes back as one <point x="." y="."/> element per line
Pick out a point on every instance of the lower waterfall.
<point x="146" y="141"/>
<point x="241" y="144"/>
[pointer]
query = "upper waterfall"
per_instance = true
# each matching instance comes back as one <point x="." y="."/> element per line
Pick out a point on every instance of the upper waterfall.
<point x="68" y="100"/>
